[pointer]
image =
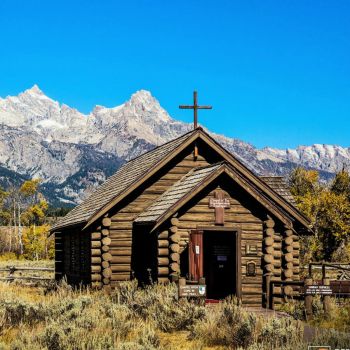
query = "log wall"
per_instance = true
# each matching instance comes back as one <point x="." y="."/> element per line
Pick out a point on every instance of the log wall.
<point x="237" y="216"/>
<point x="121" y="228"/>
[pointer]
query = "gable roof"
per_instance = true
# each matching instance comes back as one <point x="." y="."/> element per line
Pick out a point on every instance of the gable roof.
<point x="279" y="185"/>
<point x="176" y="193"/>
<point x="191" y="184"/>
<point x="132" y="174"/>
<point x="127" y="174"/>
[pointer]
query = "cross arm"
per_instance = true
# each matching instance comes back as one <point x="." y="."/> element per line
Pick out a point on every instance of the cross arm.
<point x="186" y="107"/>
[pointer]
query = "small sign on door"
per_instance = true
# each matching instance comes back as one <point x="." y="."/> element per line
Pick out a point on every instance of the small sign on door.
<point x="197" y="249"/>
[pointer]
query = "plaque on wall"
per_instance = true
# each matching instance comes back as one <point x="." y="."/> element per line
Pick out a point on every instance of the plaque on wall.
<point x="251" y="268"/>
<point x="251" y="249"/>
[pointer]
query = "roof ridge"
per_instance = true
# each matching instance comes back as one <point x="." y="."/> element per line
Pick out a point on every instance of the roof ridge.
<point x="163" y="144"/>
<point x="210" y="165"/>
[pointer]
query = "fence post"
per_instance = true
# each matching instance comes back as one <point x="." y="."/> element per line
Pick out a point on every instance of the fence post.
<point x="308" y="298"/>
<point x="326" y="298"/>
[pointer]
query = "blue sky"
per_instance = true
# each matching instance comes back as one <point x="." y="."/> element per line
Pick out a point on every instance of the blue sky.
<point x="276" y="72"/>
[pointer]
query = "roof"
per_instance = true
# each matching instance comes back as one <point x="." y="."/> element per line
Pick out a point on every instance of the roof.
<point x="279" y="185"/>
<point x="132" y="174"/>
<point x="188" y="185"/>
<point x="129" y="173"/>
<point x="175" y="193"/>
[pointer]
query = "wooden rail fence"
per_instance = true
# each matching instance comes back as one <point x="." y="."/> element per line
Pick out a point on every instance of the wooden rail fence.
<point x="12" y="276"/>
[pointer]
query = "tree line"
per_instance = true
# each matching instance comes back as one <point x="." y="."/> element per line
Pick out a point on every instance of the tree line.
<point x="24" y="222"/>
<point x="327" y="205"/>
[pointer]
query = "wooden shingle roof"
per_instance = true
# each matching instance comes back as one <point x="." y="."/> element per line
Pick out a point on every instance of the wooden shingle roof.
<point x="279" y="185"/>
<point x="188" y="184"/>
<point x="175" y="193"/>
<point x="129" y="173"/>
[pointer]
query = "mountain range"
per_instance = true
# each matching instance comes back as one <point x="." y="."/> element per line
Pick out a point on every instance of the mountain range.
<point x="72" y="152"/>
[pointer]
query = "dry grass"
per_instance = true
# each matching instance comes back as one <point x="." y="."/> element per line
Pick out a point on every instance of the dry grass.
<point x="136" y="319"/>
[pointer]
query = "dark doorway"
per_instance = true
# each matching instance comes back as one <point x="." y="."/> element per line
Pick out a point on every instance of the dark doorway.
<point x="220" y="263"/>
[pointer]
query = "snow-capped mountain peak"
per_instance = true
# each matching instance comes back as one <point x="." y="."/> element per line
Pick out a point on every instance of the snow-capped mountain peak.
<point x="72" y="151"/>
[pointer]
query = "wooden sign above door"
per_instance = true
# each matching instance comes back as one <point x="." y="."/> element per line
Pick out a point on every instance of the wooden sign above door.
<point x="219" y="203"/>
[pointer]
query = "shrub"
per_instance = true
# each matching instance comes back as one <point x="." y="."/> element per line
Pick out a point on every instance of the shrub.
<point x="226" y="325"/>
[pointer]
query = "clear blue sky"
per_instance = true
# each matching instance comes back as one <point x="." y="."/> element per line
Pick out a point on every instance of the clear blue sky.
<point x="276" y="72"/>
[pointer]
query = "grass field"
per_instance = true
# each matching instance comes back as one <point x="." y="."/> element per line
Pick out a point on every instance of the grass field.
<point x="132" y="318"/>
<point x="56" y="317"/>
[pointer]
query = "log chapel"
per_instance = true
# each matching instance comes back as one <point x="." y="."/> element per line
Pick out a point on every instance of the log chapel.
<point x="191" y="209"/>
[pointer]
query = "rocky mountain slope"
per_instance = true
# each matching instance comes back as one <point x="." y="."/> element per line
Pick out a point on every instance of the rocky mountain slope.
<point x="73" y="152"/>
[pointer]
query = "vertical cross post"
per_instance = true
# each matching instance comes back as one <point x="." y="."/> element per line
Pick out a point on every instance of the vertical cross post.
<point x="195" y="108"/>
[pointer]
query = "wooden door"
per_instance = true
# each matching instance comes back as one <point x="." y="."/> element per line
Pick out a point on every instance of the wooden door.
<point x="196" y="255"/>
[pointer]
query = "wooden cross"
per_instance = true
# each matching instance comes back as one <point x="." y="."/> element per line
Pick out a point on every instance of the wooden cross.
<point x="195" y="107"/>
<point x="219" y="202"/>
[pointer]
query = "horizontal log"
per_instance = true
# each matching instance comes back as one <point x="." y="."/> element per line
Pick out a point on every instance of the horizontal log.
<point x="120" y="277"/>
<point x="174" y="221"/>
<point x="270" y="232"/>
<point x="163" y="243"/>
<point x="296" y="245"/>
<point x="120" y="235"/>
<point x="175" y="238"/>
<point x="95" y="268"/>
<point x="95" y="252"/>
<point x="288" y="233"/>
<point x="183" y="243"/>
<point x="105" y="264"/>
<point x="288" y="257"/>
<point x="163" y="261"/>
<point x="288" y="273"/>
<point x="120" y="244"/>
<point x="120" y="259"/>
<point x="269" y="267"/>
<point x="107" y="256"/>
<point x="120" y="251"/>
<point x="268" y="258"/>
<point x="288" y="265"/>
<point x="277" y="245"/>
<point x="277" y="238"/>
<point x="277" y="264"/>
<point x="269" y="223"/>
<point x="105" y="248"/>
<point x="269" y="250"/>
<point x="268" y="241"/>
<point x="163" y="271"/>
<point x="121" y="268"/>
<point x="174" y="248"/>
<point x="96" y="260"/>
<point x="96" y="277"/>
<point x="277" y="254"/>
<point x="106" y="222"/>
<point x="107" y="272"/>
<point x="95" y="244"/>
<point x="121" y="226"/>
<point x="163" y="251"/>
<point x="163" y="235"/>
<point x="175" y="267"/>
<point x="173" y="229"/>
<point x="288" y="290"/>
<point x="175" y="257"/>
<point x="106" y="281"/>
<point x="105" y="232"/>
<point x="288" y="249"/>
<point x="288" y="240"/>
<point x="106" y="241"/>
<point x="95" y="235"/>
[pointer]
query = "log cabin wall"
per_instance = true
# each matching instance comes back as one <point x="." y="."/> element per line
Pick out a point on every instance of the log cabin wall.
<point x="59" y="272"/>
<point x="240" y="216"/>
<point x="76" y="254"/>
<point x="122" y="216"/>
